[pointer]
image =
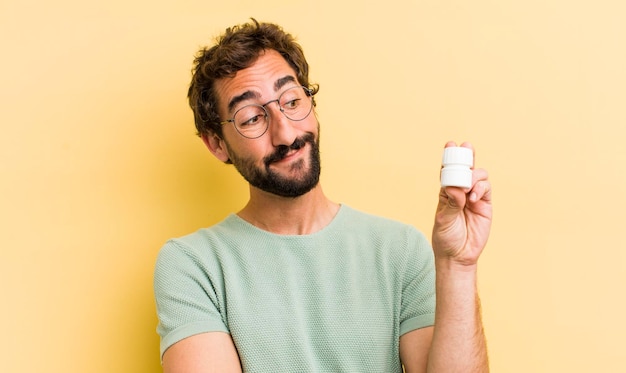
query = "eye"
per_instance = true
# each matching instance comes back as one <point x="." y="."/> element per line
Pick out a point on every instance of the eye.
<point x="250" y="116"/>
<point x="291" y="104"/>
<point x="252" y="121"/>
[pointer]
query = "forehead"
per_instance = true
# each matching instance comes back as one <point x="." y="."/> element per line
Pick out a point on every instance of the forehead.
<point x="260" y="81"/>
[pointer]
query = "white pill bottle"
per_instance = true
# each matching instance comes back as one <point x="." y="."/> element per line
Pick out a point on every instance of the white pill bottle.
<point x="457" y="162"/>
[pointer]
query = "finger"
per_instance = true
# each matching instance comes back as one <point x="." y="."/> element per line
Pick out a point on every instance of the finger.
<point x="479" y="174"/>
<point x="479" y="177"/>
<point x="467" y="144"/>
<point x="481" y="191"/>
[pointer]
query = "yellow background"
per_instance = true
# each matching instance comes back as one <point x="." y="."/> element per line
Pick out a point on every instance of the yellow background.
<point x="99" y="164"/>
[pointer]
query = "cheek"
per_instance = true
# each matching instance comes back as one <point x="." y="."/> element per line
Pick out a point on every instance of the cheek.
<point x="247" y="149"/>
<point x="311" y="123"/>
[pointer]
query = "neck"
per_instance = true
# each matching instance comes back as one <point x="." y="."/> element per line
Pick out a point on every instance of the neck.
<point x="301" y="215"/>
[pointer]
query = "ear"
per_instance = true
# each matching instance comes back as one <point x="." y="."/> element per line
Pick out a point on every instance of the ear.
<point x="216" y="145"/>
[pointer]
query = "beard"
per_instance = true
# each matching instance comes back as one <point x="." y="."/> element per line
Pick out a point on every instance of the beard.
<point x="284" y="186"/>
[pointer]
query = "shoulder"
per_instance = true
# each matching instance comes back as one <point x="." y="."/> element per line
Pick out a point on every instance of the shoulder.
<point x="195" y="250"/>
<point x="202" y="241"/>
<point x="382" y="236"/>
<point x="378" y="225"/>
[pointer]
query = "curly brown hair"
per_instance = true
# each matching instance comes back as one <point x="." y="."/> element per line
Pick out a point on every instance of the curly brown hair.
<point x="236" y="49"/>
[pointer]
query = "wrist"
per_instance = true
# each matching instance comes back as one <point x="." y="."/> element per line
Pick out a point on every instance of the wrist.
<point x="456" y="284"/>
<point x="451" y="265"/>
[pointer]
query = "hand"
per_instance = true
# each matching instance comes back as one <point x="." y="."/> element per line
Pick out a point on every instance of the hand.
<point x="463" y="219"/>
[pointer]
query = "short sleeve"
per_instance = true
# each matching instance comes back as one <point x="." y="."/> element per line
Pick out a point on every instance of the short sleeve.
<point x="418" y="288"/>
<point x="188" y="295"/>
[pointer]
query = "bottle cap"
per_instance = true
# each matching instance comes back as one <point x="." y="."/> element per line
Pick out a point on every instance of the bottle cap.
<point x="456" y="167"/>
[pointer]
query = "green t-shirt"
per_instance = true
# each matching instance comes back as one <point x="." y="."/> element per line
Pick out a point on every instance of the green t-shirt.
<point x="337" y="300"/>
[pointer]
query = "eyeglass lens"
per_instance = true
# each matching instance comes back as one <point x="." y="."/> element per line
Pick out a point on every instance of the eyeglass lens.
<point x="252" y="120"/>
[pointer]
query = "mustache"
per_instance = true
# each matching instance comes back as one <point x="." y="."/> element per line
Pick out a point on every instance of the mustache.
<point x="282" y="150"/>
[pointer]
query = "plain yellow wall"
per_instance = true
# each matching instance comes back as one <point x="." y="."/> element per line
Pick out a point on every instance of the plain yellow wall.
<point x="99" y="164"/>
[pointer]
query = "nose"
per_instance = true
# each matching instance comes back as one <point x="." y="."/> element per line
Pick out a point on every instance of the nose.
<point x="281" y="129"/>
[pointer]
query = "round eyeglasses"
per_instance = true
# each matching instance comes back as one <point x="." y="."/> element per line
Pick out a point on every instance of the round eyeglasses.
<point x="252" y="121"/>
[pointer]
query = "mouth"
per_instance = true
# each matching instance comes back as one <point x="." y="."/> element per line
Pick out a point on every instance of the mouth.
<point x="290" y="159"/>
<point x="291" y="154"/>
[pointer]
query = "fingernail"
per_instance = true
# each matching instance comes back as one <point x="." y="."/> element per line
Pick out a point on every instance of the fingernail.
<point x="473" y="197"/>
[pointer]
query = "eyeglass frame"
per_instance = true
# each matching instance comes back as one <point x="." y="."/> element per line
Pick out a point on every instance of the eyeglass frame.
<point x="309" y="92"/>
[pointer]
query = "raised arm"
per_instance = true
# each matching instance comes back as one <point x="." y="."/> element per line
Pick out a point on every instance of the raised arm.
<point x="462" y="226"/>
<point x="202" y="353"/>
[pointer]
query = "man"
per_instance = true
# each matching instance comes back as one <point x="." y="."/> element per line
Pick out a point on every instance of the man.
<point x="295" y="282"/>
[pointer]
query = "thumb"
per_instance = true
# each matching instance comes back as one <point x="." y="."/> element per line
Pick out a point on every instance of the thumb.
<point x="455" y="198"/>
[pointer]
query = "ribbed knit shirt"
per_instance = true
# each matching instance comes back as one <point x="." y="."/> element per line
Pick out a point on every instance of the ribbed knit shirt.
<point x="337" y="300"/>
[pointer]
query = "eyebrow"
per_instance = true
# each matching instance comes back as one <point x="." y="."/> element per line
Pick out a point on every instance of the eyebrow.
<point x="242" y="97"/>
<point x="251" y="94"/>
<point x="282" y="81"/>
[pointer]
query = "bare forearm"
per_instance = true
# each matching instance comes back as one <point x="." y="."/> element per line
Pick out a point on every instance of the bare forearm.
<point x="458" y="340"/>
